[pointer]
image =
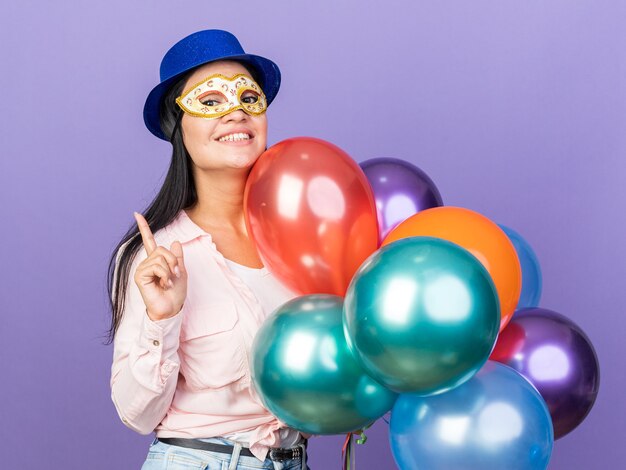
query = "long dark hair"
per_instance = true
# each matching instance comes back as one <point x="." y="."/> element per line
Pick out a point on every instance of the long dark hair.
<point x="178" y="192"/>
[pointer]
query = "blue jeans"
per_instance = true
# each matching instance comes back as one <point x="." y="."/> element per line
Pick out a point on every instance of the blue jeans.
<point x="163" y="456"/>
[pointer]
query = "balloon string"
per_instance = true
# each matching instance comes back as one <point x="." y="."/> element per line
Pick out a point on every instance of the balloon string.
<point x="345" y="443"/>
<point x="346" y="453"/>
<point x="350" y="455"/>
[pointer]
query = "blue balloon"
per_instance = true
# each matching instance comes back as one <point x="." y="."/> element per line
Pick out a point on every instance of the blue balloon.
<point x="531" y="272"/>
<point x="496" y="420"/>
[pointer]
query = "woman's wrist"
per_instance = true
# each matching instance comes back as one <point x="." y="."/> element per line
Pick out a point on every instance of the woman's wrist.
<point x="155" y="318"/>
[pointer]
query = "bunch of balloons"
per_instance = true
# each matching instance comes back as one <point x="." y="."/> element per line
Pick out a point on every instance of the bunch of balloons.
<point x="402" y="303"/>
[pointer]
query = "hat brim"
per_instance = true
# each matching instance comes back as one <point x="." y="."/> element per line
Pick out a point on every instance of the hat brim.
<point x="267" y="72"/>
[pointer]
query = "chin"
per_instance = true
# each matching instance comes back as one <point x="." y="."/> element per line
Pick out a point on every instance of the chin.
<point x="244" y="160"/>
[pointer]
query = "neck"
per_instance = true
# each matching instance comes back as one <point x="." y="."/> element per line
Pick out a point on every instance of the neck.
<point x="220" y="199"/>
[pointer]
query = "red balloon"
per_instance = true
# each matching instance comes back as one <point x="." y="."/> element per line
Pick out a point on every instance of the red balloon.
<point x="312" y="214"/>
<point x="509" y="343"/>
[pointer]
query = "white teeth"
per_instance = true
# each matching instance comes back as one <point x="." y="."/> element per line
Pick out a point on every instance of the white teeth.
<point x="234" y="137"/>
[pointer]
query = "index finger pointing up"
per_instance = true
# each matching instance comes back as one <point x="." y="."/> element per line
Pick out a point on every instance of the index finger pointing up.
<point x="146" y="234"/>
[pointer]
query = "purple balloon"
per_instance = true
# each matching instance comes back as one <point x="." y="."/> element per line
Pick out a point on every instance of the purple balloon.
<point x="401" y="189"/>
<point x="556" y="356"/>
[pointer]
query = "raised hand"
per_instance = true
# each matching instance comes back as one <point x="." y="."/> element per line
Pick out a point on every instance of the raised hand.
<point x="161" y="277"/>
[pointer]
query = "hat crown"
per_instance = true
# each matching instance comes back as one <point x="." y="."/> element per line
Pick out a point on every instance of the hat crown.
<point x="199" y="48"/>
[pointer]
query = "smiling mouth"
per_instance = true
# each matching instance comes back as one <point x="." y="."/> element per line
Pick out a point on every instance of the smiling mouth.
<point x="235" y="137"/>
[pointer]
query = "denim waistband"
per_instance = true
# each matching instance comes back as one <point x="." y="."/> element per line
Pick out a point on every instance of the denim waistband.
<point x="223" y="440"/>
<point x="237" y="447"/>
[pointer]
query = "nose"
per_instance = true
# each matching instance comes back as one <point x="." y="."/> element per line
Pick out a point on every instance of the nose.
<point x="236" y="116"/>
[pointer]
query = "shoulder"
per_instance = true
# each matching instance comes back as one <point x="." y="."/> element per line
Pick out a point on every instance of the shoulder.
<point x="161" y="237"/>
<point x="179" y="228"/>
<point x="167" y="234"/>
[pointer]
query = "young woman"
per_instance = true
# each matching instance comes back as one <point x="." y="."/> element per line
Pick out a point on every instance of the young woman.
<point x="187" y="286"/>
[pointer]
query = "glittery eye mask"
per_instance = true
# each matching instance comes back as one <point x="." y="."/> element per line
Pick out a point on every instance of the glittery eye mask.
<point x="218" y="95"/>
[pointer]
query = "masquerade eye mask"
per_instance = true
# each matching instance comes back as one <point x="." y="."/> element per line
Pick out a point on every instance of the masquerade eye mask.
<point x="218" y="95"/>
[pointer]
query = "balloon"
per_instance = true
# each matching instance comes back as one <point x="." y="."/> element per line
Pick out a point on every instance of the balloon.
<point x="531" y="271"/>
<point x="556" y="356"/>
<point x="401" y="189"/>
<point x="422" y="315"/>
<point x="495" y="421"/>
<point x="481" y="237"/>
<point x="305" y="374"/>
<point x="312" y="214"/>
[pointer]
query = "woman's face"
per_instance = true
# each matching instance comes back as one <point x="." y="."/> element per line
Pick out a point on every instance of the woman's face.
<point x="206" y="139"/>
